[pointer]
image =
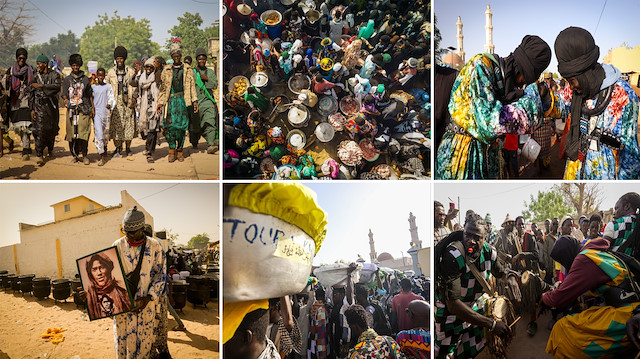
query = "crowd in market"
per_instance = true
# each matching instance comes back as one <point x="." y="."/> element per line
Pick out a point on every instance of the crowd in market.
<point x="387" y="318"/>
<point x="582" y="270"/>
<point x="327" y="89"/>
<point x="153" y="99"/>
<point x="497" y="115"/>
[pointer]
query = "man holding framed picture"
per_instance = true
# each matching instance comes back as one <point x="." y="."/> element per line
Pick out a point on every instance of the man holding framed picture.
<point x="143" y="261"/>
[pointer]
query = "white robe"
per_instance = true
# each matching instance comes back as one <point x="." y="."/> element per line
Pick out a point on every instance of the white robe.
<point x="133" y="332"/>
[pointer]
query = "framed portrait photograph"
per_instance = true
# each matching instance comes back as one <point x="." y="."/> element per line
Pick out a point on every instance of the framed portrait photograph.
<point x="103" y="279"/>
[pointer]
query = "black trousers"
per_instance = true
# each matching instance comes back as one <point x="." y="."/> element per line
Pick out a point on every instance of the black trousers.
<point x="79" y="147"/>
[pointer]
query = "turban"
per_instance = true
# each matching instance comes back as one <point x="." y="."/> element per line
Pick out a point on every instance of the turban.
<point x="532" y="56"/>
<point x="120" y="51"/>
<point x="75" y="59"/>
<point x="175" y="47"/>
<point x="577" y="56"/>
<point x="133" y="220"/>
<point x="42" y="58"/>
<point x="150" y="62"/>
<point x="21" y="51"/>
<point x="565" y="250"/>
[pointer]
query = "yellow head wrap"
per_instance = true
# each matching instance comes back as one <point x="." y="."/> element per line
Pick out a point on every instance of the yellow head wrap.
<point x="234" y="312"/>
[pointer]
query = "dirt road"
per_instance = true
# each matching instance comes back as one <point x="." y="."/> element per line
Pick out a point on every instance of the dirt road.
<point x="198" y="165"/>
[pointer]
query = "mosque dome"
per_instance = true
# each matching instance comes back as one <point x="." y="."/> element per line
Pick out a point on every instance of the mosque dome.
<point x="454" y="60"/>
<point x="384" y="256"/>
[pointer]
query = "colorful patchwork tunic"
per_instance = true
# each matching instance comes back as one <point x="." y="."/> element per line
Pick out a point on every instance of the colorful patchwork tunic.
<point x="598" y="332"/>
<point x="453" y="335"/>
<point x="373" y="346"/>
<point x="619" y="119"/>
<point x="469" y="149"/>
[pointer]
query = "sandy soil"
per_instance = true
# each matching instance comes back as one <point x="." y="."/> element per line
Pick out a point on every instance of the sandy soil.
<point x="525" y="347"/>
<point x="23" y="319"/>
<point x="198" y="165"/>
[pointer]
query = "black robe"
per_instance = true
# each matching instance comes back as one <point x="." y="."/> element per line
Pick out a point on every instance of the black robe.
<point x="44" y="102"/>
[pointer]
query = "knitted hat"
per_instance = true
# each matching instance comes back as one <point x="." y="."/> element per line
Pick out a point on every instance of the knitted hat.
<point x="120" y="51"/>
<point x="133" y="220"/>
<point x="42" y="58"/>
<point x="201" y="52"/>
<point x="386" y="58"/>
<point x="487" y="218"/>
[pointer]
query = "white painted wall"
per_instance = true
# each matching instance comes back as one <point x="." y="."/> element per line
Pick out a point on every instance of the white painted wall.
<point x="78" y="236"/>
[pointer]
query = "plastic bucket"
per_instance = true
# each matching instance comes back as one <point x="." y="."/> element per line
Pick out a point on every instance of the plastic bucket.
<point x="273" y="20"/>
<point x="531" y="149"/>
<point x="264" y="256"/>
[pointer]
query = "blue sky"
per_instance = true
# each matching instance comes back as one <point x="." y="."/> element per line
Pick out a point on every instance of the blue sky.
<point x="185" y="208"/>
<point x="512" y="20"/>
<point x="383" y="206"/>
<point x="76" y="15"/>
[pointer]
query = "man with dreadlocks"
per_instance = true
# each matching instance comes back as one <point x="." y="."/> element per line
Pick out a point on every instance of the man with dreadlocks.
<point x="602" y="140"/>
<point x="487" y="102"/>
<point x="623" y="231"/>
<point x="600" y="330"/>
<point x="459" y="323"/>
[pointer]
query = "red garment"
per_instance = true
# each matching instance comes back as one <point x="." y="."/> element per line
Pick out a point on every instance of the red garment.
<point x="583" y="276"/>
<point x="399" y="305"/>
<point x="511" y="142"/>
<point x="321" y="87"/>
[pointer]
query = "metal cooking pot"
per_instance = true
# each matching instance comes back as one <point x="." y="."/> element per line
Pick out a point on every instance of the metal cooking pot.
<point x="41" y="287"/>
<point x="61" y="289"/>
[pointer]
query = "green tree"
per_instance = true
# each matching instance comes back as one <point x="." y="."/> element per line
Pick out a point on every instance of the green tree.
<point x="98" y="41"/>
<point x="198" y="241"/>
<point x="61" y="47"/>
<point x="15" y="25"/>
<point x="191" y="34"/>
<point x="437" y="38"/>
<point x="546" y="204"/>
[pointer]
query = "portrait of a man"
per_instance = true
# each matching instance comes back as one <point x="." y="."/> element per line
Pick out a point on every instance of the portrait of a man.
<point x="104" y="284"/>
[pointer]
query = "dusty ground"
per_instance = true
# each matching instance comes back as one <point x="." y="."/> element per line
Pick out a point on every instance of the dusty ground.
<point x="525" y="347"/>
<point x="198" y="165"/>
<point x="23" y="319"/>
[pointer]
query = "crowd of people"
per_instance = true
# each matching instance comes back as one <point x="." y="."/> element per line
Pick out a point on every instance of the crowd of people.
<point x="151" y="99"/>
<point x="388" y="318"/>
<point x="497" y="114"/>
<point x="350" y="77"/>
<point x="584" y="271"/>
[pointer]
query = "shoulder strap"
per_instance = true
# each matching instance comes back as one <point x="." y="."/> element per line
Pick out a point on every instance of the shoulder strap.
<point x="200" y="84"/>
<point x="474" y="270"/>
<point x="140" y="258"/>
